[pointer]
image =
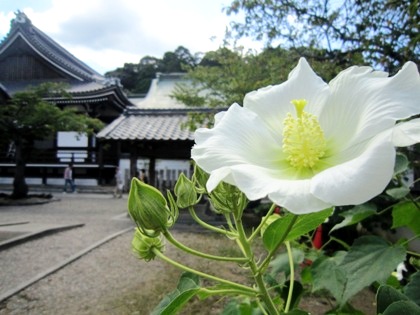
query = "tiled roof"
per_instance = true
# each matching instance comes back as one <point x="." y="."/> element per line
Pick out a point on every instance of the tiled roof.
<point x="83" y="83"/>
<point x="150" y="125"/>
<point x="48" y="48"/>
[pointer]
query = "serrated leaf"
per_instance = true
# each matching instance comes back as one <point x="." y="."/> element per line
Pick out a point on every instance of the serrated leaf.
<point x="412" y="289"/>
<point x="387" y="295"/>
<point x="355" y="215"/>
<point x="369" y="259"/>
<point x="326" y="274"/>
<point x="406" y="214"/>
<point x="188" y="286"/>
<point x="305" y="223"/>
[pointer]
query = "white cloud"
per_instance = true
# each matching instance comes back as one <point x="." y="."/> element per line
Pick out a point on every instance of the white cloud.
<point x="107" y="33"/>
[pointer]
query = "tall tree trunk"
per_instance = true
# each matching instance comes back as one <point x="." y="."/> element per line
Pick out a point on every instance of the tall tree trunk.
<point x="20" y="188"/>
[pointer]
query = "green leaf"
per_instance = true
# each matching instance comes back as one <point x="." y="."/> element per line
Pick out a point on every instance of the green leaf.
<point x="402" y="307"/>
<point x="355" y="215"/>
<point x="326" y="274"/>
<point x="398" y="192"/>
<point x="401" y="163"/>
<point x="387" y="295"/>
<point x="346" y="309"/>
<point x="296" y="294"/>
<point x="281" y="262"/>
<point x="406" y="214"/>
<point x="369" y="259"/>
<point x="244" y="307"/>
<point x="188" y="286"/>
<point x="305" y="223"/>
<point x="412" y="289"/>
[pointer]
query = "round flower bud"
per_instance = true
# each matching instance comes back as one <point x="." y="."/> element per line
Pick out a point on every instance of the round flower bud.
<point x="148" y="207"/>
<point x="185" y="192"/>
<point x="144" y="245"/>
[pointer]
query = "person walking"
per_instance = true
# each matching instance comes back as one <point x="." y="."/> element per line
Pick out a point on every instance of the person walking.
<point x="68" y="179"/>
<point x="118" y="183"/>
<point x="143" y="176"/>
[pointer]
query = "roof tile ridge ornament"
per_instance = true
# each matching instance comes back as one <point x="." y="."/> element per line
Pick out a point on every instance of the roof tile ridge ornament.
<point x="20" y="18"/>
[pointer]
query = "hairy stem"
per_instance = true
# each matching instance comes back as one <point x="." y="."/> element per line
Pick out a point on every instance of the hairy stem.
<point x="189" y="250"/>
<point x="237" y="286"/>
<point x="258" y="276"/>
<point x="292" y="276"/>
<point x="208" y="226"/>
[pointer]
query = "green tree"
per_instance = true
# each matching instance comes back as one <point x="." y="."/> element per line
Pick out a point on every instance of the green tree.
<point x="385" y="32"/>
<point x="28" y="117"/>
<point x="136" y="78"/>
<point x="225" y="76"/>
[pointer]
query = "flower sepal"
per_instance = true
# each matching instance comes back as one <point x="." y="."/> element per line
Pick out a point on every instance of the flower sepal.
<point x="144" y="245"/>
<point x="148" y="208"/>
<point x="185" y="192"/>
<point x="226" y="198"/>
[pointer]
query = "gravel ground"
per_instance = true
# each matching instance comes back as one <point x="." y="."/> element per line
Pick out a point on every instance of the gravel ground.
<point x="101" y="215"/>
<point x="108" y="279"/>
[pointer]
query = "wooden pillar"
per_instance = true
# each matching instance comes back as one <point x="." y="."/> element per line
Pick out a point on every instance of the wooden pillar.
<point x="100" y="161"/>
<point x="152" y="171"/>
<point x="133" y="160"/>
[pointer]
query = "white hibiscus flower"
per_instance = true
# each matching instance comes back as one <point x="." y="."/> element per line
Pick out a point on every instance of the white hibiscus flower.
<point x="308" y="145"/>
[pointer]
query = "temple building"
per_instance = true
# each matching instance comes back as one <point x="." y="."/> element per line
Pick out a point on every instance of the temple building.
<point x="140" y="134"/>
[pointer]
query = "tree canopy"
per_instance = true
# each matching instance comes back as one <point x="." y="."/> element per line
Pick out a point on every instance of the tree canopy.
<point x="386" y="32"/>
<point x="28" y="117"/>
<point x="136" y="78"/>
<point x="223" y="77"/>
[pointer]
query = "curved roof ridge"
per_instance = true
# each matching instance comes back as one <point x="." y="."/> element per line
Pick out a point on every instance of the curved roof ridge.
<point x="50" y="48"/>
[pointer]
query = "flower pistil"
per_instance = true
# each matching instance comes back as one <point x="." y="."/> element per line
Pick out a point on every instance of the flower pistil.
<point x="303" y="139"/>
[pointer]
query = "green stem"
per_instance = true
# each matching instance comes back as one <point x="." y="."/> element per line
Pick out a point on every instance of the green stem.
<point x="292" y="276"/>
<point x="189" y="250"/>
<point x="267" y="259"/>
<point x="227" y="292"/>
<point x="258" y="276"/>
<point x="413" y="253"/>
<point x="206" y="225"/>
<point x="239" y="287"/>
<point x="334" y="239"/>
<point x="410" y="239"/>
<point x="258" y="229"/>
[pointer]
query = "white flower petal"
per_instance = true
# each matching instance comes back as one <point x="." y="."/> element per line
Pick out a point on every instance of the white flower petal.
<point x="273" y="103"/>
<point x="406" y="133"/>
<point x="357" y="113"/>
<point x="364" y="103"/>
<point x="256" y="183"/>
<point x="214" y="149"/>
<point x="360" y="179"/>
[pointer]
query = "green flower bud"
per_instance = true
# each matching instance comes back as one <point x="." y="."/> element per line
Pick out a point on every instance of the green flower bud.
<point x="200" y="179"/>
<point x="144" y="245"/>
<point x="148" y="208"/>
<point x="227" y="198"/>
<point x="185" y="192"/>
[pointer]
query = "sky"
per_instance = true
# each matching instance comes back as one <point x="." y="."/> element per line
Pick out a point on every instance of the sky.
<point x="105" y="34"/>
